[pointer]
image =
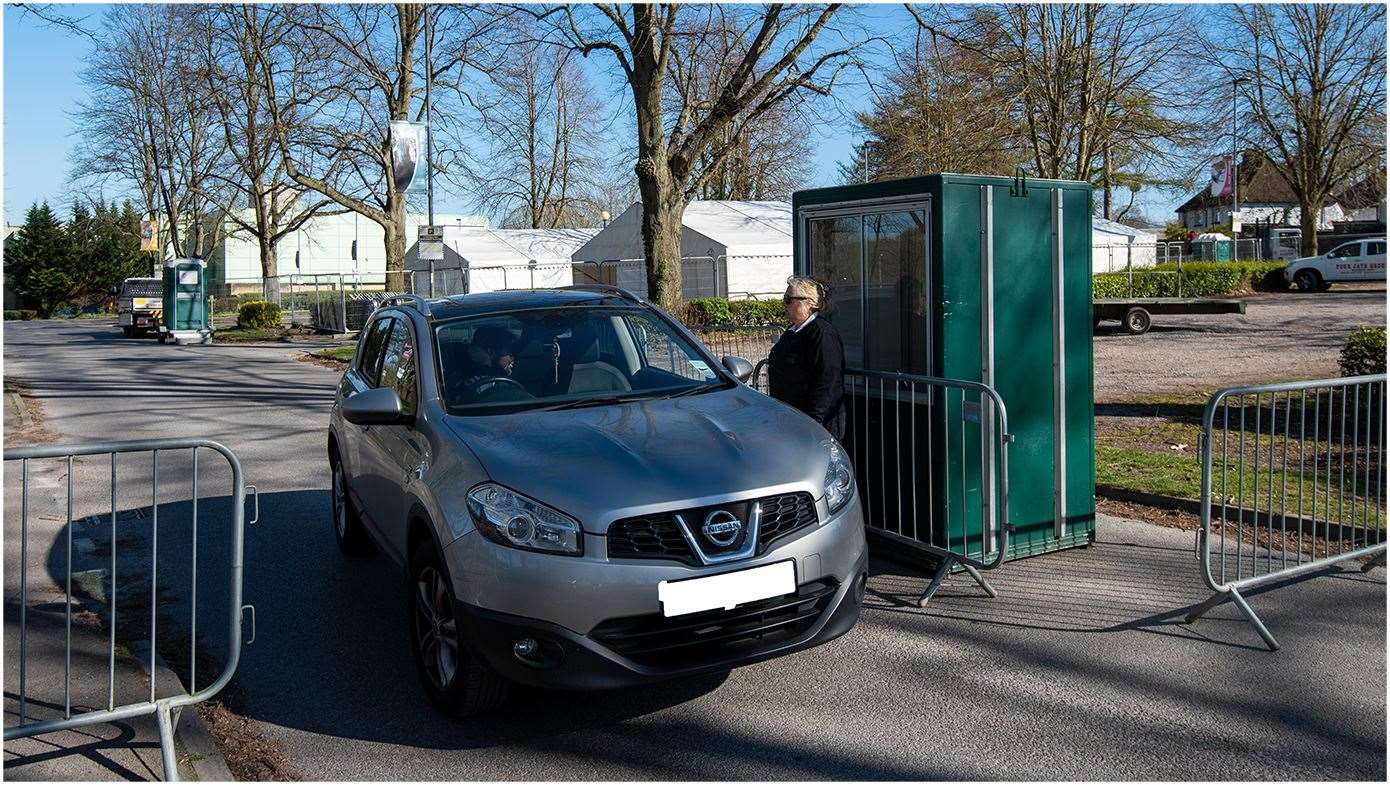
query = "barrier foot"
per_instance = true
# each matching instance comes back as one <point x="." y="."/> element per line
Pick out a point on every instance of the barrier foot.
<point x="1245" y="609"/>
<point x="1378" y="561"/>
<point x="1254" y="620"/>
<point x="980" y="579"/>
<point x="166" y="743"/>
<point x="943" y="571"/>
<point x="935" y="583"/>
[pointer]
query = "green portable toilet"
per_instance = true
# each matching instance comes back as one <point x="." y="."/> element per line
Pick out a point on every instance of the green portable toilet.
<point x="186" y="317"/>
<point x="974" y="278"/>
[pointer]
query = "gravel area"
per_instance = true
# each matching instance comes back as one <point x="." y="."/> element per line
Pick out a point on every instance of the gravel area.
<point x="1280" y="337"/>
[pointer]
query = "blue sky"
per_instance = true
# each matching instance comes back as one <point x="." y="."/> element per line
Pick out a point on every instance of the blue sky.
<point x="42" y="88"/>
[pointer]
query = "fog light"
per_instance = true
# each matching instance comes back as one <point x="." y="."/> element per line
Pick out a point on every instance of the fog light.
<point x="524" y="648"/>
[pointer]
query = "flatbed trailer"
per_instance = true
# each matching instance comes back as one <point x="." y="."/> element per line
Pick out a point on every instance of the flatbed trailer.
<point x="1135" y="314"/>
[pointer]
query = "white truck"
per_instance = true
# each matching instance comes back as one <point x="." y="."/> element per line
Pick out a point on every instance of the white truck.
<point x="1354" y="260"/>
<point x="140" y="305"/>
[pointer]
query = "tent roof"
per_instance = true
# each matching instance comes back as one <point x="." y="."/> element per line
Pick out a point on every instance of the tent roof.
<point x="482" y="247"/>
<point x="1114" y="227"/>
<point x="743" y="227"/>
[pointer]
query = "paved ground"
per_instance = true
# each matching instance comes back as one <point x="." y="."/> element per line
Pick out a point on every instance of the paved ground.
<point x="1080" y="669"/>
<point x="1280" y="337"/>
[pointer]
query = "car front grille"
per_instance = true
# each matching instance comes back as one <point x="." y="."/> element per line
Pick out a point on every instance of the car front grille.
<point x="657" y="536"/>
<point x="697" y="638"/>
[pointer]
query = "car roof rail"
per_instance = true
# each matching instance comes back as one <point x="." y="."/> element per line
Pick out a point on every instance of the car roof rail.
<point x="413" y="300"/>
<point x="603" y="288"/>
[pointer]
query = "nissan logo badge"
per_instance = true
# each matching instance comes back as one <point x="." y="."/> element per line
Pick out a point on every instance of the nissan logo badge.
<point x="722" y="528"/>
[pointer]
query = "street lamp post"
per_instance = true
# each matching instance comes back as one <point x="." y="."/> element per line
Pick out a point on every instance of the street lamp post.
<point x="1235" y="172"/>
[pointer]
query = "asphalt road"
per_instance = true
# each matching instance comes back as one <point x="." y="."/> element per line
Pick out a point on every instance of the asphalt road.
<point x="1080" y="669"/>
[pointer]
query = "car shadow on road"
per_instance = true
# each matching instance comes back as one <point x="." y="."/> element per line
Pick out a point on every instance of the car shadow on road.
<point x="331" y="652"/>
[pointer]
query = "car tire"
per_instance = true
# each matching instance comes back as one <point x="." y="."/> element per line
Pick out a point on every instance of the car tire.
<point x="347" y="521"/>
<point x="128" y="332"/>
<point x="1137" y="321"/>
<point x="1308" y="281"/>
<point x="461" y="685"/>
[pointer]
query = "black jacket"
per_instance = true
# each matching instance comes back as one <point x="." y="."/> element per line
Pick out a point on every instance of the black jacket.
<point x="806" y="370"/>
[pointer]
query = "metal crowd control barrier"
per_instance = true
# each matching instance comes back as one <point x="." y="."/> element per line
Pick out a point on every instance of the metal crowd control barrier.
<point x="161" y="708"/>
<point x="1300" y="497"/>
<point x="932" y="460"/>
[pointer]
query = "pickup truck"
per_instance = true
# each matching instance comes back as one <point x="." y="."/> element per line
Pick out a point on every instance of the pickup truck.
<point x="140" y="305"/>
<point x="1356" y="260"/>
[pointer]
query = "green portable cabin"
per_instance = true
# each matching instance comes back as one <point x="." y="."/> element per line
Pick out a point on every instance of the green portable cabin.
<point x="186" y="318"/>
<point x="965" y="277"/>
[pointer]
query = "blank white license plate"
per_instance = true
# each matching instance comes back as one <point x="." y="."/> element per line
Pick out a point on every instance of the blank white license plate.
<point x="726" y="590"/>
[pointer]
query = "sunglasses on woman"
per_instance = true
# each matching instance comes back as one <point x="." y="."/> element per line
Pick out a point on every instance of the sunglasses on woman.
<point x="786" y="298"/>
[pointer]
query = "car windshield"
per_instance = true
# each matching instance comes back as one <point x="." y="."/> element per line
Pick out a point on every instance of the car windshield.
<point x="565" y="358"/>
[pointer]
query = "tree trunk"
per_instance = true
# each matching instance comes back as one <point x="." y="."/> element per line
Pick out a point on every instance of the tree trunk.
<point x="661" y="246"/>
<point x="270" y="269"/>
<point x="393" y="237"/>
<point x="663" y="200"/>
<point x="1308" y="222"/>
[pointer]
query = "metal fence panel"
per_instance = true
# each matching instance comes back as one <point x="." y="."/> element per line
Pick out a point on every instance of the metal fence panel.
<point x="161" y="708"/>
<point x="931" y="457"/>
<point x="1292" y="482"/>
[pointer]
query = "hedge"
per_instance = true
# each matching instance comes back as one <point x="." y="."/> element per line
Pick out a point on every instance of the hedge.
<point x="258" y="315"/>
<point x="1199" y="279"/>
<point x="1364" y="352"/>
<point x="22" y="315"/>
<point x="722" y="312"/>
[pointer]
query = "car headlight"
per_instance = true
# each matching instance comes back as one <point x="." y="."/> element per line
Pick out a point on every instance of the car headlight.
<point x="839" y="477"/>
<point x="509" y="518"/>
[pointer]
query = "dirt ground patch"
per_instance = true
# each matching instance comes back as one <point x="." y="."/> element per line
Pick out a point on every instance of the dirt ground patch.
<point x="1280" y="337"/>
<point x="250" y="756"/>
<point x="24" y="416"/>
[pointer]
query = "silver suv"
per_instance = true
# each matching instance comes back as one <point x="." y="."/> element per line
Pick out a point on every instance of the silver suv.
<point x="584" y="498"/>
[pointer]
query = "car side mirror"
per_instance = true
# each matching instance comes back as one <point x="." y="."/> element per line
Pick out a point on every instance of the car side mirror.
<point x="379" y="406"/>
<point x="739" y="367"/>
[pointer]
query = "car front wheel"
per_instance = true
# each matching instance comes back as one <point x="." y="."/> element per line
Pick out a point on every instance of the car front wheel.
<point x="347" y="523"/>
<point x="456" y="680"/>
<point x="1308" y="281"/>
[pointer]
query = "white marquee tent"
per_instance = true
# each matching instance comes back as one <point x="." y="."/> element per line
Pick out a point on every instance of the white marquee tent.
<point x="730" y="248"/>
<point x="1116" y="247"/>
<point x="497" y="259"/>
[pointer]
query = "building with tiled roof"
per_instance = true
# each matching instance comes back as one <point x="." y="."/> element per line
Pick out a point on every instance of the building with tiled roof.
<point x="1264" y="196"/>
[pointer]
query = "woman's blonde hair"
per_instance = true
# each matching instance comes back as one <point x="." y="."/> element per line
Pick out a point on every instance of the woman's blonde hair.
<point x="806" y="286"/>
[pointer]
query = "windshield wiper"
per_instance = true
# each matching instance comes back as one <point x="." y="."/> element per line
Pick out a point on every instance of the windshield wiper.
<point x="697" y="389"/>
<point x="584" y="403"/>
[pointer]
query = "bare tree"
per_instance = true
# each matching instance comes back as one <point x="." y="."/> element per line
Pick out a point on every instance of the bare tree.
<point x="1317" y="93"/>
<point x="774" y="54"/>
<point x="359" y="68"/>
<point x="239" y="41"/>
<point x="1089" y="85"/>
<point x="541" y="159"/>
<point x="145" y="123"/>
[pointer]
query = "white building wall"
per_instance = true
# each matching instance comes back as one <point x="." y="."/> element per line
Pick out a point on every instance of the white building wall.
<point x="325" y="248"/>
<point x="1280" y="214"/>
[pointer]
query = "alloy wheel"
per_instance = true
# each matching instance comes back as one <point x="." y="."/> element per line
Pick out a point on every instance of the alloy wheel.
<point x="436" y="631"/>
<point x="339" y="502"/>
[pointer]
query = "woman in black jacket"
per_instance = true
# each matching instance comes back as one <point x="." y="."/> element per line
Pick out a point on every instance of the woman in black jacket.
<point x="806" y="368"/>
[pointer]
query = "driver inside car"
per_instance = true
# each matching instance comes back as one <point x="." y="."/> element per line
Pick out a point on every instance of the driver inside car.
<point x="491" y="360"/>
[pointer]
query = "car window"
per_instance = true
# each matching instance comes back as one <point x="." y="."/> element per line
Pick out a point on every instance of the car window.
<point x="1344" y="251"/>
<point x="1375" y="248"/>
<point x="398" y="365"/>
<point x="369" y="355"/>
<point x="531" y="359"/>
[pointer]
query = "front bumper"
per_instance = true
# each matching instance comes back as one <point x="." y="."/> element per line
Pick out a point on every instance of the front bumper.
<point x="567" y="660"/>
<point x="571" y="606"/>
